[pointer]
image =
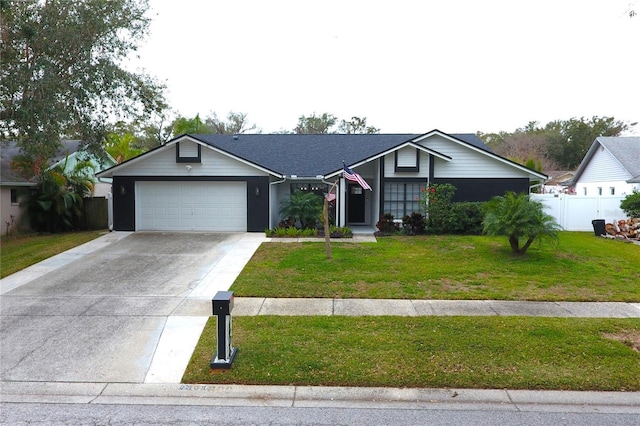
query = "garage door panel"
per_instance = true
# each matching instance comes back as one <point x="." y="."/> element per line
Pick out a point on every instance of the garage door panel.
<point x="191" y="206"/>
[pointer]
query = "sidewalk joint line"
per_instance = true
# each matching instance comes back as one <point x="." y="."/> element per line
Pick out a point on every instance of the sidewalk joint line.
<point x="264" y="299"/>
<point x="511" y="400"/>
<point x="104" y="388"/>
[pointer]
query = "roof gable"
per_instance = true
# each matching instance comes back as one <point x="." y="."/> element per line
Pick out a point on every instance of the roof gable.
<point x="474" y="143"/>
<point x="624" y="149"/>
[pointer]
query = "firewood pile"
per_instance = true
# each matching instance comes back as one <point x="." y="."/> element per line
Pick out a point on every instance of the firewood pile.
<point x="624" y="229"/>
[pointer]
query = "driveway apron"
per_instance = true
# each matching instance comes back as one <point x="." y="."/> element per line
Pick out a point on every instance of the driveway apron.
<point x="100" y="318"/>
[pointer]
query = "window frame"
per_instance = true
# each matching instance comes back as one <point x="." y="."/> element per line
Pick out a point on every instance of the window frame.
<point x="405" y="204"/>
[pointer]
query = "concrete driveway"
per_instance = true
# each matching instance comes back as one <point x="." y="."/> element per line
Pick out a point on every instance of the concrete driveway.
<point x="127" y="307"/>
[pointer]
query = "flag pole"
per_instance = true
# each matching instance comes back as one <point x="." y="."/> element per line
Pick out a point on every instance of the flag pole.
<point x="325" y="215"/>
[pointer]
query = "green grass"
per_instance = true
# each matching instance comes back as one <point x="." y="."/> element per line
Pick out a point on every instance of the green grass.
<point x="452" y="352"/>
<point x="580" y="267"/>
<point x="19" y="252"/>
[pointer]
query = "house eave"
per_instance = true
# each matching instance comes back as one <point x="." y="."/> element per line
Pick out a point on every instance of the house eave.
<point x="21" y="184"/>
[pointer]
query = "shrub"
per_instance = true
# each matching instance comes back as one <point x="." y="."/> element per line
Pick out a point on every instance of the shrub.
<point x="290" y="232"/>
<point x="518" y="217"/>
<point x="305" y="207"/>
<point x="386" y="225"/>
<point x="631" y="204"/>
<point x="309" y="232"/>
<point x="413" y="224"/>
<point x="340" y="232"/>
<point x="465" y="218"/>
<point x="437" y="199"/>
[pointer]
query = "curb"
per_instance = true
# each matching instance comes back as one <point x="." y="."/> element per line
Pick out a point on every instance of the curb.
<point x="320" y="397"/>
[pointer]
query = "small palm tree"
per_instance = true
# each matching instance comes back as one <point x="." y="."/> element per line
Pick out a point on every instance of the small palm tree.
<point x="56" y="202"/>
<point x="518" y="217"/>
<point x="303" y="206"/>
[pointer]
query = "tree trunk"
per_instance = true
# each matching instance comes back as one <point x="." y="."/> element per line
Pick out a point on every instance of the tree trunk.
<point x="524" y="248"/>
<point x="515" y="244"/>
<point x="327" y="237"/>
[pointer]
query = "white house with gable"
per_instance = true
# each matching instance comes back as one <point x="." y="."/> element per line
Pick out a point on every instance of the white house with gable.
<point x="611" y="167"/>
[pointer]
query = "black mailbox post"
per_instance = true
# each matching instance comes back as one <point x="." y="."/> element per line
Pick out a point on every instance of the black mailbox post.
<point x="222" y="307"/>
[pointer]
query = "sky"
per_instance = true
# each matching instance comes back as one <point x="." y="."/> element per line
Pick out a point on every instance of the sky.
<point x="407" y="66"/>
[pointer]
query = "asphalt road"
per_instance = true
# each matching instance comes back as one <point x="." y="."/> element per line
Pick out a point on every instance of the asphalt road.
<point x="83" y="414"/>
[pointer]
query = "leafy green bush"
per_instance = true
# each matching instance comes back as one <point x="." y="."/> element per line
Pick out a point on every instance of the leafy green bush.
<point x="302" y="207"/>
<point x="631" y="204"/>
<point x="437" y="199"/>
<point x="465" y="218"/>
<point x="309" y="232"/>
<point x="386" y="224"/>
<point x="55" y="203"/>
<point x="340" y="232"/>
<point x="414" y="224"/>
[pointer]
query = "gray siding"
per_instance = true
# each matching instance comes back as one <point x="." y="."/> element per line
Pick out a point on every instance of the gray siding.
<point x="163" y="163"/>
<point x="467" y="162"/>
<point x="603" y="167"/>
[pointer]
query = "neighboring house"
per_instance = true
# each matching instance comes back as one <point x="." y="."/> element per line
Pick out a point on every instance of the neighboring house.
<point x="559" y="182"/>
<point x="236" y="182"/>
<point x="610" y="167"/>
<point x="13" y="183"/>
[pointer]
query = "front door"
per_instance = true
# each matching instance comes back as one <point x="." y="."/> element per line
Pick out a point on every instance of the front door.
<point x="355" y="204"/>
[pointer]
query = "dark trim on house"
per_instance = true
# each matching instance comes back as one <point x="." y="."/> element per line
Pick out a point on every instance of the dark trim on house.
<point x="124" y="196"/>
<point x="124" y="203"/>
<point x="196" y="159"/>
<point x="483" y="189"/>
<point x="381" y="189"/>
<point x="257" y="203"/>
<point x="432" y="163"/>
<point x="400" y="169"/>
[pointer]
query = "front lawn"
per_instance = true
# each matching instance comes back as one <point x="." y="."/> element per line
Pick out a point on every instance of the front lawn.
<point x="451" y="352"/>
<point x="19" y="252"/>
<point x="580" y="267"/>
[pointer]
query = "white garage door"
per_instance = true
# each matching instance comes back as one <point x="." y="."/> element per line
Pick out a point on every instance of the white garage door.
<point x="191" y="206"/>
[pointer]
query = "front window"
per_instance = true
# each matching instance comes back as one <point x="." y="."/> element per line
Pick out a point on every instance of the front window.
<point x="14" y="197"/>
<point x="402" y="198"/>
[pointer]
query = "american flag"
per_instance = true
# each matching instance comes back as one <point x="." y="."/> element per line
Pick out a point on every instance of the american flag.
<point x="354" y="177"/>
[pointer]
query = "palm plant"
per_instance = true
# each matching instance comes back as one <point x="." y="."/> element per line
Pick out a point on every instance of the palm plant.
<point x="518" y="217"/>
<point x="305" y="207"/>
<point x="56" y="203"/>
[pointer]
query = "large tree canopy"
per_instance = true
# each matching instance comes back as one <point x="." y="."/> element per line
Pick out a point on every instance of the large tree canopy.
<point x="61" y="72"/>
<point x="326" y="123"/>
<point x="560" y="144"/>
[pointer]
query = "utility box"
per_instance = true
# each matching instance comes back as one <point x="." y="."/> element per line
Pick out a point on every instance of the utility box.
<point x="222" y="306"/>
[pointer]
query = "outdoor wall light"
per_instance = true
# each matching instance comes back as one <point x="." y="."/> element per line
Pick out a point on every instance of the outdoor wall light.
<point x="188" y="167"/>
<point x="257" y="191"/>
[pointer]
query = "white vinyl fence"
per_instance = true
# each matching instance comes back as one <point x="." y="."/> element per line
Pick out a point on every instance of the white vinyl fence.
<point x="575" y="213"/>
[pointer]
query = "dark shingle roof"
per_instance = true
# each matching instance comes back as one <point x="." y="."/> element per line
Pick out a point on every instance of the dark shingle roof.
<point x="10" y="150"/>
<point x="311" y="155"/>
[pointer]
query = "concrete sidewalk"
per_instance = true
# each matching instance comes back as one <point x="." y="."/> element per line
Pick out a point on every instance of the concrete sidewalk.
<point x="250" y="306"/>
